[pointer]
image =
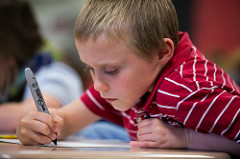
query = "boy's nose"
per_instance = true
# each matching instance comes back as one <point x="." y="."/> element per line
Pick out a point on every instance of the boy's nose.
<point x="100" y="86"/>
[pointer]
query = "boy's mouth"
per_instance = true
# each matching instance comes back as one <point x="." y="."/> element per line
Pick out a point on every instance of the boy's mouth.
<point x="110" y="100"/>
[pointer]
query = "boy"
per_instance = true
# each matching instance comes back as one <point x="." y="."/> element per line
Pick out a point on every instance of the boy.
<point x="143" y="67"/>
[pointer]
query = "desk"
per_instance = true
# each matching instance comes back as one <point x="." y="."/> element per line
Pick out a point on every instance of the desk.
<point x="17" y="151"/>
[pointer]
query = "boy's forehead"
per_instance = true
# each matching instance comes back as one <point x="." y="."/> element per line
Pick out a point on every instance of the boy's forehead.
<point x="102" y="43"/>
<point x="101" y="51"/>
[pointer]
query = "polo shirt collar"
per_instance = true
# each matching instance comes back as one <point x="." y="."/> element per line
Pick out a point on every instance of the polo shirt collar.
<point x="181" y="53"/>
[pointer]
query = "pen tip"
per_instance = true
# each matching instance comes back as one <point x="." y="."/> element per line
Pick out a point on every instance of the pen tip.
<point x="55" y="141"/>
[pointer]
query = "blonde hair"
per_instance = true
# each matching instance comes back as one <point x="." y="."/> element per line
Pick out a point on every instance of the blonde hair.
<point x="142" y="24"/>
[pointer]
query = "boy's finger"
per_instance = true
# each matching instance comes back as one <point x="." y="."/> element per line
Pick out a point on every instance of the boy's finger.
<point x="134" y="144"/>
<point x="39" y="127"/>
<point x="143" y="144"/>
<point x="58" y="123"/>
<point x="147" y="144"/>
<point x="151" y="137"/>
<point x="147" y="122"/>
<point x="144" y="131"/>
<point x="32" y="137"/>
<point x="42" y="117"/>
<point x="40" y="138"/>
<point x="144" y="123"/>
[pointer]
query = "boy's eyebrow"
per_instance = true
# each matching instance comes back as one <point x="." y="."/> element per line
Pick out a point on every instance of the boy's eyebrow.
<point x="103" y="65"/>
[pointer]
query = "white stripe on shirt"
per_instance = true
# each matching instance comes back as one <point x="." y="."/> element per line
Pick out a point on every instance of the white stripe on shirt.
<point x="194" y="69"/>
<point x="236" y="87"/>
<point x="193" y="94"/>
<point x="215" y="70"/>
<point x="181" y="69"/>
<point x="230" y="123"/>
<point x="237" y="135"/>
<point x="169" y="94"/>
<point x="168" y="79"/>
<point x="94" y="100"/>
<point x="209" y="107"/>
<point x="195" y="49"/>
<point x="231" y="84"/>
<point x="224" y="81"/>
<point x="129" y="119"/>
<point x="165" y="106"/>
<point x="225" y="108"/>
<point x="189" y="113"/>
<point x="206" y="69"/>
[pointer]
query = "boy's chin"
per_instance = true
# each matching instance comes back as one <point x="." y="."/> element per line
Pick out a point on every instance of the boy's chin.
<point x="121" y="107"/>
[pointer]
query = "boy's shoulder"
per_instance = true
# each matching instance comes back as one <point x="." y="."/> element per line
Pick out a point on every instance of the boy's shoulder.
<point x="196" y="73"/>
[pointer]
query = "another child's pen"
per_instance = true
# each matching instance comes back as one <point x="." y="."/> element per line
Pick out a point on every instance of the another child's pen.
<point x="36" y="93"/>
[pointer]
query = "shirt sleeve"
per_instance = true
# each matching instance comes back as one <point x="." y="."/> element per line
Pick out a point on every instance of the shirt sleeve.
<point x="96" y="104"/>
<point x="59" y="80"/>
<point x="204" y="107"/>
<point x="211" y="110"/>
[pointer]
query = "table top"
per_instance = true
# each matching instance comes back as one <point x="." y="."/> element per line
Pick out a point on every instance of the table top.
<point x="9" y="150"/>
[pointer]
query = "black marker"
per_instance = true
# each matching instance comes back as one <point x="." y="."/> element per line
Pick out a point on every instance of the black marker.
<point x="36" y="93"/>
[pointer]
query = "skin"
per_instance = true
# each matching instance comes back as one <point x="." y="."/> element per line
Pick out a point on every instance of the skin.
<point x="117" y="72"/>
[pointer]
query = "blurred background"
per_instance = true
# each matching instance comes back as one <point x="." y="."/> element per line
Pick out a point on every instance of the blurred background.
<point x="56" y="19"/>
<point x="214" y="27"/>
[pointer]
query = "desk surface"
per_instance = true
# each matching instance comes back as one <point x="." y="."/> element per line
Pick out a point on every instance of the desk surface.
<point x="8" y="150"/>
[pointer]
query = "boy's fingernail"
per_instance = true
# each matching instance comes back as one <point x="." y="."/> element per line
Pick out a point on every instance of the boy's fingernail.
<point x="53" y="136"/>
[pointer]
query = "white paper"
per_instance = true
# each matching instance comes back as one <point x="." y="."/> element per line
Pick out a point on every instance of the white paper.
<point x="13" y="141"/>
<point x="80" y="144"/>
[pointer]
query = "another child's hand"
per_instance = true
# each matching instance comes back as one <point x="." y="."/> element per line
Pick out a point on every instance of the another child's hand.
<point x="154" y="133"/>
<point x="39" y="128"/>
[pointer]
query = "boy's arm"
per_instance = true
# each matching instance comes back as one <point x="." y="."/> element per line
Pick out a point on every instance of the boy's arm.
<point x="212" y="142"/>
<point x="154" y="133"/>
<point x="76" y="116"/>
<point x="19" y="109"/>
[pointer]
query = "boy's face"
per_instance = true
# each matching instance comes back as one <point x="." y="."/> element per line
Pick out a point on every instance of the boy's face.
<point x="119" y="74"/>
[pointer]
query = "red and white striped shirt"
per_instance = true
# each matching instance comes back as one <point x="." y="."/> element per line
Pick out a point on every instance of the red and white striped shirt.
<point x="191" y="92"/>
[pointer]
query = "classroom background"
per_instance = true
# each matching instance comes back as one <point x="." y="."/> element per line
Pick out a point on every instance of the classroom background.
<point x="213" y="26"/>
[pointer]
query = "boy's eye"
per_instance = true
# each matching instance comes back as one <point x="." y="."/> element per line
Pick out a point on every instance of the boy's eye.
<point x="111" y="71"/>
<point x="88" y="68"/>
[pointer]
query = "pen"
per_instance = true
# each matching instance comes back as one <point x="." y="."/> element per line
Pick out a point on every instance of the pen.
<point x="36" y="93"/>
<point x="8" y="136"/>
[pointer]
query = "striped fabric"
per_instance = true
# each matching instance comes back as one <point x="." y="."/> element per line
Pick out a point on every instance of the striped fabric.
<point x="191" y="92"/>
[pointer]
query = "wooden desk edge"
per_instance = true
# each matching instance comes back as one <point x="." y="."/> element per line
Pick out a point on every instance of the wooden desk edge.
<point x="37" y="154"/>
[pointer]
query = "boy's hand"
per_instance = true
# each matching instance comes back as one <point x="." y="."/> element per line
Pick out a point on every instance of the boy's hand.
<point x="39" y="128"/>
<point x="156" y="133"/>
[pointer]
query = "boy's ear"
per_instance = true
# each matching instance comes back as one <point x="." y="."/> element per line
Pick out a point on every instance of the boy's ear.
<point x="166" y="54"/>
